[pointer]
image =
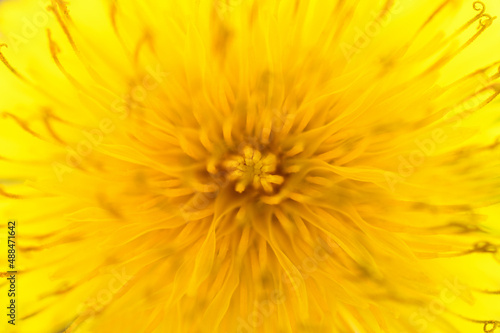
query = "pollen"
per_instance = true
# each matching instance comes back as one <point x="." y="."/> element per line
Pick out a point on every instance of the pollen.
<point x="254" y="169"/>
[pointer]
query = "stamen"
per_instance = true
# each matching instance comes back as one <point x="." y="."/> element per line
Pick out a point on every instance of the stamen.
<point x="485" y="20"/>
<point x="462" y="228"/>
<point x="8" y="65"/>
<point x="113" y="13"/>
<point x="22" y="124"/>
<point x="253" y="169"/>
<point x="50" y="115"/>
<point x="430" y="18"/>
<point x="54" y="51"/>
<point x="35" y="86"/>
<point x="147" y="38"/>
<point x="71" y="41"/>
<point x="50" y="129"/>
<point x="480" y="72"/>
<point x="484" y="247"/>
<point x="10" y="195"/>
<point x="478" y="6"/>
<point x="490" y="326"/>
<point x="495" y="87"/>
<point x="63" y="5"/>
<point x="63" y="25"/>
<point x="489" y="292"/>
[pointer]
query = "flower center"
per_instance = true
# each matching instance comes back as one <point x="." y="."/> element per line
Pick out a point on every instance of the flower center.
<point x="253" y="169"/>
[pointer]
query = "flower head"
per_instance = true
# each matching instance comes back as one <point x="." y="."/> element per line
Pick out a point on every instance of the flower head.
<point x="252" y="166"/>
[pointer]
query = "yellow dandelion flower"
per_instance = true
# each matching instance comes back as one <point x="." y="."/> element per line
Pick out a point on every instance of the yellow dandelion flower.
<point x="245" y="166"/>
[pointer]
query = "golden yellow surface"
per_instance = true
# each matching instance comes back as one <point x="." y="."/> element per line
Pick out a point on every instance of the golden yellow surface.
<point x="237" y="166"/>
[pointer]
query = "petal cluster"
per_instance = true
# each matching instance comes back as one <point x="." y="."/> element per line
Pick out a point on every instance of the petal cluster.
<point x="252" y="166"/>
